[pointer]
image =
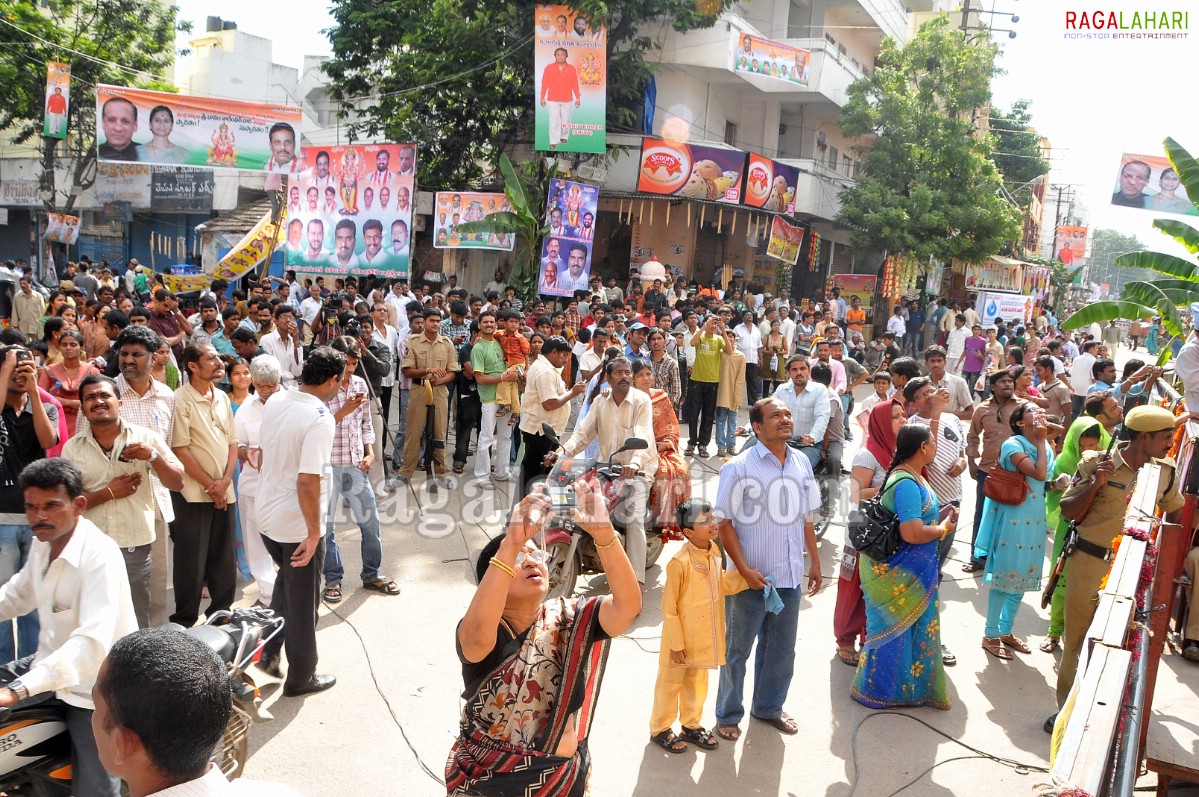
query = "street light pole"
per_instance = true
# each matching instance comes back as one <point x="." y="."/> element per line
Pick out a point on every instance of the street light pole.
<point x="965" y="14"/>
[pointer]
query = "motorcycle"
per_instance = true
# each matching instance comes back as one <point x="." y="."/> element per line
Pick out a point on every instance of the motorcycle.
<point x="569" y="551"/>
<point x="35" y="747"/>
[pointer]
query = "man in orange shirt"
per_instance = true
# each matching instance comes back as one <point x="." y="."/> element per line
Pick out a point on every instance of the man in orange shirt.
<point x="56" y="110"/>
<point x="559" y="86"/>
<point x="855" y="316"/>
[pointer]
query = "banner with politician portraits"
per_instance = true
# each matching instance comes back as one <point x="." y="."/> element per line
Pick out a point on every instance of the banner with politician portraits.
<point x="565" y="264"/>
<point x="58" y="99"/>
<point x="1149" y="182"/>
<point x="771" y="59"/>
<point x="570" y="66"/>
<point x="350" y="210"/>
<point x="167" y="129"/>
<point x="452" y="208"/>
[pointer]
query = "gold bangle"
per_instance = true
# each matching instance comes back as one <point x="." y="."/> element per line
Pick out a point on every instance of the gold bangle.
<point x="504" y="566"/>
<point x="111" y="495"/>
<point x="609" y="544"/>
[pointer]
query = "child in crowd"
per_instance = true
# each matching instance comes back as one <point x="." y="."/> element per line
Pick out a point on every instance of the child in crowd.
<point x="882" y="392"/>
<point x="692" y="630"/>
<point x="516" y="354"/>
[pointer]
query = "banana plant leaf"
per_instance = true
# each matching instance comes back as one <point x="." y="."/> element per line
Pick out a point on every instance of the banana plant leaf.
<point x="514" y="188"/>
<point x="1161" y="263"/>
<point x="1108" y="311"/>
<point x="1166" y="300"/>
<point x="1185" y="165"/>
<point x="1180" y="231"/>
<point x="500" y="222"/>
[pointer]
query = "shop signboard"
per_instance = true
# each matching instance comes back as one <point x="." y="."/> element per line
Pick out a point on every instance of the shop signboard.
<point x="181" y="189"/>
<point x="1007" y="306"/>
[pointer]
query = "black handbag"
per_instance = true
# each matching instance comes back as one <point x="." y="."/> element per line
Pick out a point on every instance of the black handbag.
<point x="874" y="529"/>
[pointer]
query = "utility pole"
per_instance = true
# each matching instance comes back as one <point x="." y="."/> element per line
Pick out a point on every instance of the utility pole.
<point x="965" y="15"/>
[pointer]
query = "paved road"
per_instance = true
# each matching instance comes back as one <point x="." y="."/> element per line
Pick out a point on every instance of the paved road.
<point x="395" y="709"/>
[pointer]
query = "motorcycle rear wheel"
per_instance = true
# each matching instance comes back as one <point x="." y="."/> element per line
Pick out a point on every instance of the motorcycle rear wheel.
<point x="563" y="572"/>
<point x="653" y="549"/>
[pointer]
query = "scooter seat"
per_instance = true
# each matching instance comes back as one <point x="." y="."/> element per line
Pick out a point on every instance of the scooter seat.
<point x="215" y="638"/>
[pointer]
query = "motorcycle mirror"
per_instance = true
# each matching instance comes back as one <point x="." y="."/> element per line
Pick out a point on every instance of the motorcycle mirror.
<point x="549" y="432"/>
<point x="634" y="444"/>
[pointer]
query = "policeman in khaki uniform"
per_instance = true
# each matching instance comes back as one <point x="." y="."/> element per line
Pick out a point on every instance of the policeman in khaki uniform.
<point x="431" y="362"/>
<point x="1149" y="432"/>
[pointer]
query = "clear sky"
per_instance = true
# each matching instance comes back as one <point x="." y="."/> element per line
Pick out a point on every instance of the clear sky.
<point x="1093" y="99"/>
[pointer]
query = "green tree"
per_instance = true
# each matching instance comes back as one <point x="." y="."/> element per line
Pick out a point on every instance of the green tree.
<point x="458" y="77"/>
<point x="123" y="42"/>
<point x="927" y="187"/>
<point x="1106" y="248"/>
<point x="1017" y="152"/>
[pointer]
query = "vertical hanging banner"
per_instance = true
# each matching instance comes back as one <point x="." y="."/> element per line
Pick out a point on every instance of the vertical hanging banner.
<point x="349" y="209"/>
<point x="177" y="130"/>
<point x="785" y="240"/>
<point x="58" y="99"/>
<point x="62" y="228"/>
<point x="565" y="264"/>
<point x="1070" y="245"/>
<point x="570" y="62"/>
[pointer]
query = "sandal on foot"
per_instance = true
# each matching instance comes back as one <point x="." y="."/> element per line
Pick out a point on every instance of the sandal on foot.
<point x="972" y="567"/>
<point x="994" y="646"/>
<point x="700" y="737"/>
<point x="669" y="742"/>
<point x="848" y="656"/>
<point x="783" y="723"/>
<point x="1018" y="645"/>
<point x="332" y="593"/>
<point x="1050" y="644"/>
<point x="386" y="586"/>
<point x="728" y="732"/>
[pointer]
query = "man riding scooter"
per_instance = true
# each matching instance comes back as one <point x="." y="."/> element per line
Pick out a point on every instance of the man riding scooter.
<point x="615" y="416"/>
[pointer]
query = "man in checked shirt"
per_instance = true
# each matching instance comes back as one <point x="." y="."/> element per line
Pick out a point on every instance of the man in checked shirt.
<point x="353" y="456"/>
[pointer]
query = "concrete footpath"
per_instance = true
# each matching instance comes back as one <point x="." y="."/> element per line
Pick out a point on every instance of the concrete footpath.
<point x="387" y="726"/>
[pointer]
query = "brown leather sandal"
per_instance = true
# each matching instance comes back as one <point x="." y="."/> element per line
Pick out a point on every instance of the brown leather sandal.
<point x="994" y="646"/>
<point x="1015" y="644"/>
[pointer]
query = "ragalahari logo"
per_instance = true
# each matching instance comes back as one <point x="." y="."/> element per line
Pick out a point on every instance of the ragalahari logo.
<point x="1106" y="24"/>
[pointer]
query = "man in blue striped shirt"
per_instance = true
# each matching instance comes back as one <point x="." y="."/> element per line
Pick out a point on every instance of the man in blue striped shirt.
<point x="765" y="494"/>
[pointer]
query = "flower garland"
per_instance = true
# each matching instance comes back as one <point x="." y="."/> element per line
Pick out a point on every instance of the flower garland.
<point x="813" y="250"/>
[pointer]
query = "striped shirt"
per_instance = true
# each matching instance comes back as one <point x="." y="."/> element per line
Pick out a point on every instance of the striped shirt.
<point x="355" y="430"/>
<point x="768" y="502"/>
<point x="951" y="443"/>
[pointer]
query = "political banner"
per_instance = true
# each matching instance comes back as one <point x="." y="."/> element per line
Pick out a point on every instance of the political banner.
<point x="859" y="285"/>
<point x="565" y="264"/>
<point x="770" y="185"/>
<point x="167" y="129"/>
<point x="350" y="210"/>
<point x="452" y="208"/>
<point x="1149" y="182"/>
<point x="571" y="68"/>
<point x="62" y="228"/>
<point x="687" y="170"/>
<point x="181" y="189"/>
<point x="1070" y="244"/>
<point x="785" y="240"/>
<point x="58" y="99"/>
<point x="770" y="59"/>
<point x="256" y="246"/>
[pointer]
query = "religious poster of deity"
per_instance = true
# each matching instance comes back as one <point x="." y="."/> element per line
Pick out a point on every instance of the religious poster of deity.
<point x="565" y="264"/>
<point x="350" y="210"/>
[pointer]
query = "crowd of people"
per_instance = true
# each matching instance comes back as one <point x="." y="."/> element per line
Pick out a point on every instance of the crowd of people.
<point x="219" y="445"/>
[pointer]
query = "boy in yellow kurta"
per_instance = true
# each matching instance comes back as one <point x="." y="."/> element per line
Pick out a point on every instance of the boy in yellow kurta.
<point x="692" y="630"/>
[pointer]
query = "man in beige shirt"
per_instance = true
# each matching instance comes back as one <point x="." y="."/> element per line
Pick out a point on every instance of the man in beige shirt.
<point x="27" y="308"/>
<point x="116" y="459"/>
<point x="204" y="440"/>
<point x="614" y="417"/>
<point x="545" y="400"/>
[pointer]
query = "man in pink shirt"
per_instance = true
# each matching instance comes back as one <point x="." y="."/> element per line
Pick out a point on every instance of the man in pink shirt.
<point x="824" y="355"/>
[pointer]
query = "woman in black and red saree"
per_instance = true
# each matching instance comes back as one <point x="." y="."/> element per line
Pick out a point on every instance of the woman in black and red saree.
<point x="531" y="667"/>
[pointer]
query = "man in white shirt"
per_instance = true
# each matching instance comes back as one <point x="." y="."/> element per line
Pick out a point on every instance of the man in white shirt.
<point x="292" y="502"/>
<point x="284" y="344"/>
<point x="283" y="150"/>
<point x="955" y="344"/>
<point x="75" y="578"/>
<point x="1187" y="367"/>
<point x="310" y="308"/>
<point x="382" y="174"/>
<point x="972" y="317"/>
<point x="388" y="337"/>
<point x="1081" y="376"/>
<point x="749" y="343"/>
<point x="897" y="324"/>
<point x="345" y="234"/>
<point x="810" y="406"/>
<point x="787" y="326"/>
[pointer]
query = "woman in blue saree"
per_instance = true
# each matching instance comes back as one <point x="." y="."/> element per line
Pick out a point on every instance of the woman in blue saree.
<point x="900" y="662"/>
